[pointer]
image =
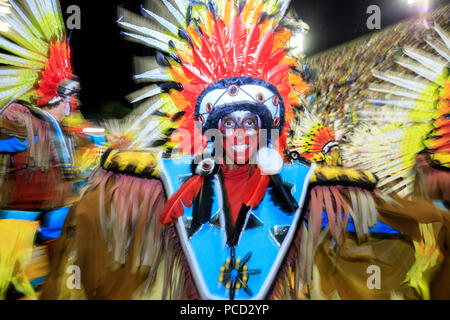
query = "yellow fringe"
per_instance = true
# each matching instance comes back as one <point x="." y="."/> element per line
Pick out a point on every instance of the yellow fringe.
<point x="16" y="245"/>
<point x="426" y="253"/>
<point x="341" y="174"/>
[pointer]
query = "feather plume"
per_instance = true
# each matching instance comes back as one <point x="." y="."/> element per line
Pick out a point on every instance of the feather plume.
<point x="410" y="118"/>
<point x="184" y="196"/>
<point x="281" y="196"/>
<point x="201" y="212"/>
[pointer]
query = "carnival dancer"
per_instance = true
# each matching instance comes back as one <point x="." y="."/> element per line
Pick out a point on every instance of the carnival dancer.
<point x="218" y="213"/>
<point x="38" y="90"/>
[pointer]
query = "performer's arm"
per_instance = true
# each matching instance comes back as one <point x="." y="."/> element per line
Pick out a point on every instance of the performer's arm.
<point x="14" y="144"/>
<point x="13" y="136"/>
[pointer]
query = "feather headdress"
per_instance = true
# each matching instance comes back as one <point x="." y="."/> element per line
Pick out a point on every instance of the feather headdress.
<point x="311" y="139"/>
<point x="213" y="57"/>
<point x="37" y="66"/>
<point x="414" y="110"/>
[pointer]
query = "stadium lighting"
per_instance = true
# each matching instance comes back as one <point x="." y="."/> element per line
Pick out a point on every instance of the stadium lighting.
<point x="297" y="44"/>
<point x="94" y="131"/>
<point x="423" y="5"/>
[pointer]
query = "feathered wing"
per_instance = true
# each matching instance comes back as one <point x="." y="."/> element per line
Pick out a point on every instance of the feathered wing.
<point x="415" y="109"/>
<point x="410" y="117"/>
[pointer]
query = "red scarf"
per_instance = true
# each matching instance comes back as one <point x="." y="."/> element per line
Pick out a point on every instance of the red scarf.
<point x="235" y="181"/>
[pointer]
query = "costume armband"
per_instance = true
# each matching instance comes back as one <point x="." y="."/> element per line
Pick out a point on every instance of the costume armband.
<point x="325" y="176"/>
<point x="135" y="163"/>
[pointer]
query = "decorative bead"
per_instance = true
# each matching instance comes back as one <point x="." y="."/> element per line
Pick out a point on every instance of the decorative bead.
<point x="260" y="98"/>
<point x="276" y="101"/>
<point x="233" y="90"/>
<point x="276" y="122"/>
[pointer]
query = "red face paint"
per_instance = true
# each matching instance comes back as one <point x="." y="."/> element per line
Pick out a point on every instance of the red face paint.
<point x="74" y="103"/>
<point x="240" y="132"/>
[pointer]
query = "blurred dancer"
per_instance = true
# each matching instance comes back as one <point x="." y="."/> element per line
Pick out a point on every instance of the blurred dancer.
<point x="38" y="90"/>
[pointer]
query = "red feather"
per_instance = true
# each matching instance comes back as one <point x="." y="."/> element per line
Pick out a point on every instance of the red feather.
<point x="185" y="195"/>
<point x="251" y="43"/>
<point x="236" y="41"/>
<point x="278" y="73"/>
<point x="275" y="60"/>
<point x="57" y="70"/>
<point x="255" y="189"/>
<point x="264" y="49"/>
<point x="205" y="67"/>
<point x="219" y="40"/>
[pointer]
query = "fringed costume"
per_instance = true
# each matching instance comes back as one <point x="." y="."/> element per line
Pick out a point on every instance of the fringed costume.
<point x="37" y="154"/>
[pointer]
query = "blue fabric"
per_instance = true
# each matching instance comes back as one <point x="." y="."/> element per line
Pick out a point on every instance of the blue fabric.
<point x="19" y="215"/>
<point x="80" y="184"/>
<point x="98" y="141"/>
<point x="52" y="223"/>
<point x="38" y="281"/>
<point x="378" y="228"/>
<point x="14" y="145"/>
<point x="440" y="205"/>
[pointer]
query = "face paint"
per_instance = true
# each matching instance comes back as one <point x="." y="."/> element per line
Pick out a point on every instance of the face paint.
<point x="240" y="130"/>
<point x="74" y="103"/>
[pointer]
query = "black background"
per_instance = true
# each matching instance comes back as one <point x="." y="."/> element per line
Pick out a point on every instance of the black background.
<point x="103" y="59"/>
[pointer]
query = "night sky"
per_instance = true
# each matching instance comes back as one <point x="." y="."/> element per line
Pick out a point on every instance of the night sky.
<point x="103" y="59"/>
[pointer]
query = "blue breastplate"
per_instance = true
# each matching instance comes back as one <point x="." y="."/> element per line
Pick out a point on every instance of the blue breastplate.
<point x="247" y="269"/>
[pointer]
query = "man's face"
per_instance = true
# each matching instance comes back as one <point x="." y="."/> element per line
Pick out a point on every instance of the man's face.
<point x="58" y="111"/>
<point x="64" y="108"/>
<point x="240" y="130"/>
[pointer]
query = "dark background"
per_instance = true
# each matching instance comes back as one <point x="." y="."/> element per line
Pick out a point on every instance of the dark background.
<point x="103" y="59"/>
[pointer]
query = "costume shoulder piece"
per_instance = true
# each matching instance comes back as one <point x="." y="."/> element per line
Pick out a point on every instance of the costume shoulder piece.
<point x="139" y="163"/>
<point x="324" y="176"/>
